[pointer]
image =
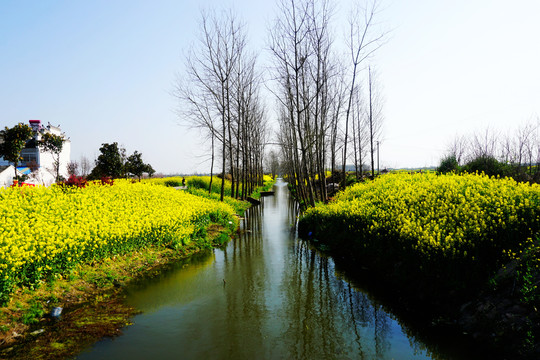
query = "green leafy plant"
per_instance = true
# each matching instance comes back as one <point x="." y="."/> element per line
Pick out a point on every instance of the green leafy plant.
<point x="13" y="141"/>
<point x="33" y="313"/>
<point x="528" y="272"/>
<point x="448" y="164"/>
<point x="487" y="165"/>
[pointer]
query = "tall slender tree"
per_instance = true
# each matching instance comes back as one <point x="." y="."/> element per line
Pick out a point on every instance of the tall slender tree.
<point x="314" y="90"/>
<point x="362" y="43"/>
<point x="374" y="116"/>
<point x="301" y="43"/>
<point x="210" y="67"/>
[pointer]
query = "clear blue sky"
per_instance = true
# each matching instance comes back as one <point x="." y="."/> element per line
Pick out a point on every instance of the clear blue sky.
<point x="104" y="70"/>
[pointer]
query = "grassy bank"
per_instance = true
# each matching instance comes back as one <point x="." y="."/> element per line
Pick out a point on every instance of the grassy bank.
<point x="444" y="244"/>
<point x="199" y="185"/>
<point x="92" y="298"/>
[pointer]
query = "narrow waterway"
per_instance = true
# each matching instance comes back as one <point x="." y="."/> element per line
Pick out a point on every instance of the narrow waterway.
<point x="266" y="295"/>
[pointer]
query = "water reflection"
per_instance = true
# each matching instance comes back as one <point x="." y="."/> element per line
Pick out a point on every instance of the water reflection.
<point x="327" y="316"/>
<point x="245" y="308"/>
<point x="164" y="291"/>
<point x="266" y="295"/>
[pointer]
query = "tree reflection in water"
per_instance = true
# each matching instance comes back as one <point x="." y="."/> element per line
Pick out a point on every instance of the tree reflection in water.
<point x="265" y="295"/>
<point x="296" y="303"/>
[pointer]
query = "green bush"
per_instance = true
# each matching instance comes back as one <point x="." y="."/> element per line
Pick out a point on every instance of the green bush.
<point x="203" y="182"/>
<point x="173" y="183"/>
<point x="448" y="164"/>
<point x="488" y="165"/>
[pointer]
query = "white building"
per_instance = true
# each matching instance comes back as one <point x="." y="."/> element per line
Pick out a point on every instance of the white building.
<point x="35" y="158"/>
<point x="6" y="175"/>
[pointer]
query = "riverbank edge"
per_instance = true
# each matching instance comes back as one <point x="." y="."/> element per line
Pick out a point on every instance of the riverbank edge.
<point x="487" y="320"/>
<point x="92" y="298"/>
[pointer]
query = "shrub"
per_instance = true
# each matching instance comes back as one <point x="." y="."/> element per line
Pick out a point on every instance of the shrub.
<point x="448" y="164"/>
<point x="487" y="165"/>
<point x="173" y="182"/>
<point x="78" y="181"/>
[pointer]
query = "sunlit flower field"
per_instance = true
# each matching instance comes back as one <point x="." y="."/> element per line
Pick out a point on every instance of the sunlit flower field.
<point x="46" y="231"/>
<point x="199" y="185"/>
<point x="469" y="222"/>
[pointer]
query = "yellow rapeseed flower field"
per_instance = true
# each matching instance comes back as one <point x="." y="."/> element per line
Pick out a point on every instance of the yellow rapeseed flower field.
<point x="431" y="218"/>
<point x="45" y="231"/>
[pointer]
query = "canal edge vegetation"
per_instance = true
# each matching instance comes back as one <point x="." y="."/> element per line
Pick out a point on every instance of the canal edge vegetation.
<point x="91" y="293"/>
<point x="458" y="251"/>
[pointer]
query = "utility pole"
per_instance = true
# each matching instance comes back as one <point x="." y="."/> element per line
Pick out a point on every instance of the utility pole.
<point x="378" y="169"/>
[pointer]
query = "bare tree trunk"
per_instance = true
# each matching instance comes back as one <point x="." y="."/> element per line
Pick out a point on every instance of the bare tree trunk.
<point x="371" y="125"/>
<point x="209" y="95"/>
<point x="355" y="149"/>
<point x="224" y="156"/>
<point x="211" y="167"/>
<point x="361" y="45"/>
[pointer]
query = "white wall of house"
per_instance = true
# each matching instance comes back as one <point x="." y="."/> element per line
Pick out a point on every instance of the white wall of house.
<point x="46" y="164"/>
<point x="6" y="176"/>
<point x="45" y="175"/>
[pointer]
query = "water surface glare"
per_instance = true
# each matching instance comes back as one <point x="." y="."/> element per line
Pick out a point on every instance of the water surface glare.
<point x="266" y="295"/>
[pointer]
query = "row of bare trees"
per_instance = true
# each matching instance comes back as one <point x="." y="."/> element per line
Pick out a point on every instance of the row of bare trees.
<point x="220" y="95"/>
<point x="322" y="105"/>
<point x="519" y="148"/>
<point x="323" y="110"/>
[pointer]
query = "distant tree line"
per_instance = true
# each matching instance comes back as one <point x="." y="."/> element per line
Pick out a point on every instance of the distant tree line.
<point x="112" y="162"/>
<point x="515" y="153"/>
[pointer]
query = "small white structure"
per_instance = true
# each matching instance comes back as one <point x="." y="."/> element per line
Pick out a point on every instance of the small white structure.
<point x="6" y="175"/>
<point x="34" y="158"/>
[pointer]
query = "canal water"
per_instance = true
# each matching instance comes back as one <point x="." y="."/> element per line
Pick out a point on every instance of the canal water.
<point x="266" y="295"/>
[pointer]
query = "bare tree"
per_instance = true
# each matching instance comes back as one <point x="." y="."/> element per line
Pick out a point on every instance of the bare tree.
<point x="208" y="92"/>
<point x="249" y="126"/>
<point x="507" y="149"/>
<point x="301" y="43"/>
<point x="459" y="147"/>
<point x="272" y="163"/>
<point x="362" y="43"/>
<point x="85" y="166"/>
<point x="337" y="103"/>
<point x="291" y="50"/>
<point x="220" y="96"/>
<point x="374" y="116"/>
<point x="360" y="133"/>
<point x="484" y="145"/>
<point x="525" y="143"/>
<point x="73" y="168"/>
<point x="315" y="90"/>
